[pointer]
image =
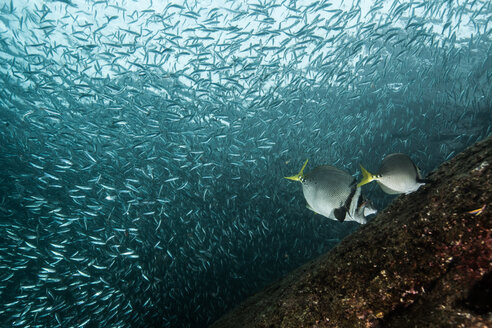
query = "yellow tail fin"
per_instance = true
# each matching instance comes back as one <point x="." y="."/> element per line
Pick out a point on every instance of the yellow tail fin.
<point x="366" y="177"/>
<point x="299" y="175"/>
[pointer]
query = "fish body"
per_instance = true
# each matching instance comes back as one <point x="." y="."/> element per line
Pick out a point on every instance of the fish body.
<point x="397" y="174"/>
<point x="334" y="194"/>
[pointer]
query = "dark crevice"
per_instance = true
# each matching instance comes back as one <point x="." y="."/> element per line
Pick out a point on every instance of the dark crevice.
<point x="400" y="309"/>
<point x="479" y="298"/>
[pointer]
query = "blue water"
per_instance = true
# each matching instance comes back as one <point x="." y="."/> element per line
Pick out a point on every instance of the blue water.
<point x="143" y="145"/>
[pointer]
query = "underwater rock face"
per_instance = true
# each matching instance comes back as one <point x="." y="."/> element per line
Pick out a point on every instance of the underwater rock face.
<point x="422" y="262"/>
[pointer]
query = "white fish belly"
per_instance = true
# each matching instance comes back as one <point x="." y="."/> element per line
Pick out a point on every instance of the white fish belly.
<point x="322" y="201"/>
<point x="400" y="185"/>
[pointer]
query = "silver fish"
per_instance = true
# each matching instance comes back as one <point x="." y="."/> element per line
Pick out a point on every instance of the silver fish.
<point x="333" y="193"/>
<point x="396" y="175"/>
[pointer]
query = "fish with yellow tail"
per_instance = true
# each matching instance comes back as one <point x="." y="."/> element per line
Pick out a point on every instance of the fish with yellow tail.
<point x="396" y="175"/>
<point x="334" y="194"/>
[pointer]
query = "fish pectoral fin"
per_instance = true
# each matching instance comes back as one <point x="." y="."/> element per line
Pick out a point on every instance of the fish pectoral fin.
<point x="366" y="177"/>
<point x="340" y="213"/>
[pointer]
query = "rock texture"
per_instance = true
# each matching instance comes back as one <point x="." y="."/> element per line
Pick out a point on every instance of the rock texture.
<point x="425" y="261"/>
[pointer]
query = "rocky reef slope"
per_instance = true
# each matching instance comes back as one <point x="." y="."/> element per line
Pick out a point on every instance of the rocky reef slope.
<point x="425" y="261"/>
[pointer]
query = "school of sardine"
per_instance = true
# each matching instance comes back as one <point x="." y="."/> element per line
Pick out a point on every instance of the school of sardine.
<point x="143" y="144"/>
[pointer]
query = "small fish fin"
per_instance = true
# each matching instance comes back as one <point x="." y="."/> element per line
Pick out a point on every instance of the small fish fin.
<point x="478" y="211"/>
<point x="366" y="177"/>
<point x="299" y="176"/>
<point x="340" y="213"/>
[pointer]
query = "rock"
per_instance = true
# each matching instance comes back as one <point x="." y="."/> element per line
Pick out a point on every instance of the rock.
<point x="425" y="261"/>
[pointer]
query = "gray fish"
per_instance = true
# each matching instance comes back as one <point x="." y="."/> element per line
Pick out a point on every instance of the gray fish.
<point x="333" y="193"/>
<point x="396" y="175"/>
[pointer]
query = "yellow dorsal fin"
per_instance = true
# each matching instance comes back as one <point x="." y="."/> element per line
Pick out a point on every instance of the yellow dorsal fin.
<point x="299" y="175"/>
<point x="366" y="177"/>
